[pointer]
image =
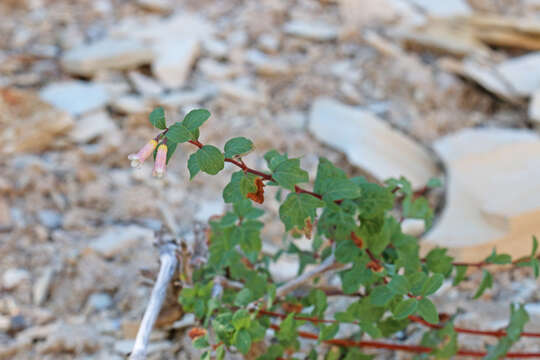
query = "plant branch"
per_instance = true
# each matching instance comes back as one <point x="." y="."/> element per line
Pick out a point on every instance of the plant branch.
<point x="400" y="347"/>
<point x="169" y="264"/>
<point x="328" y="264"/>
<point x="416" y="319"/>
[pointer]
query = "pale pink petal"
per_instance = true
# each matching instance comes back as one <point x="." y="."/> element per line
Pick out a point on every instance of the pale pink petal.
<point x="147" y="150"/>
<point x="161" y="161"/>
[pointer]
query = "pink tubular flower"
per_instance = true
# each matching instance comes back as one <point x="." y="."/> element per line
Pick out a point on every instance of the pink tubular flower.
<point x="161" y="161"/>
<point x="147" y="150"/>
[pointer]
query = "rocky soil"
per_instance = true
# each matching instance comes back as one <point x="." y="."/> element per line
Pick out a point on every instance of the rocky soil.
<point x="384" y="88"/>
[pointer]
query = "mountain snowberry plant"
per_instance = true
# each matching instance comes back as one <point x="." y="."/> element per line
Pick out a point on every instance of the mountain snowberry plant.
<point x="356" y="232"/>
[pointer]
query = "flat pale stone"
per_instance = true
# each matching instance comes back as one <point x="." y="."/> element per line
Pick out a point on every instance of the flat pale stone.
<point x="75" y="97"/>
<point x="492" y="199"/>
<point x="163" y="6"/>
<point x="514" y="78"/>
<point x="12" y="277"/>
<point x="242" y="92"/>
<point x="443" y="8"/>
<point x="215" y="70"/>
<point x="311" y="30"/>
<point x="131" y="104"/>
<point x="534" y="107"/>
<point x="120" y="238"/>
<point x="5" y="215"/>
<point x="108" y="53"/>
<point x="266" y="65"/>
<point x="209" y="209"/>
<point x="176" y="99"/>
<point x="174" y="61"/>
<point x="41" y="287"/>
<point x="145" y="85"/>
<point x="370" y="143"/>
<point x="92" y="126"/>
<point x="153" y="30"/>
<point x="29" y="124"/>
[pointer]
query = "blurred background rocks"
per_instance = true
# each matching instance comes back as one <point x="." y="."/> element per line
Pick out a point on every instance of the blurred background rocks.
<point x="447" y="89"/>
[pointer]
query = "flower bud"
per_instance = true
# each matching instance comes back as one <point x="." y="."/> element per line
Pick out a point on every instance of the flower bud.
<point x="147" y="150"/>
<point x="161" y="161"/>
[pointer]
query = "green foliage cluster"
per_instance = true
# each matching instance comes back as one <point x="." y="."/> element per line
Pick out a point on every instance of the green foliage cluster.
<point x="351" y="219"/>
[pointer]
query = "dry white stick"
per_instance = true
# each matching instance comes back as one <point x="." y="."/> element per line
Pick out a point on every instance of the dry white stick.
<point x="328" y="264"/>
<point x="167" y="269"/>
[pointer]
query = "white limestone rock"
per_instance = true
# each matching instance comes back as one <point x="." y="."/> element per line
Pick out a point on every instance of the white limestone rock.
<point x="76" y="97"/>
<point x="370" y="143"/>
<point x="174" y="61"/>
<point x="120" y="239"/>
<point x="109" y="53"/>
<point x="311" y="30"/>
<point x="91" y="126"/>
<point x="492" y="199"/>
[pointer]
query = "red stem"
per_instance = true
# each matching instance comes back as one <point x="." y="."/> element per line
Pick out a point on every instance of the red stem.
<point x="498" y="333"/>
<point x="400" y="347"/>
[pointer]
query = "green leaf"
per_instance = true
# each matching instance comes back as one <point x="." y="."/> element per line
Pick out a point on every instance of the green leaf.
<point x="171" y="148"/>
<point x="243" y="297"/>
<point x="328" y="332"/>
<point x="248" y="236"/>
<point x="241" y="319"/>
<point x="377" y="242"/>
<point x="461" y="271"/>
<point x="443" y="342"/>
<point x="381" y="296"/>
<point x="428" y="311"/>
<point x="438" y="262"/>
<point x="399" y="285"/>
<point x="326" y="172"/>
<point x="355" y="354"/>
<point x="352" y="279"/>
<point x="375" y="200"/>
<point x="339" y="189"/>
<point x="499" y="259"/>
<point x="178" y="133"/>
<point x="297" y="208"/>
<point x="193" y="166"/>
<point x="333" y="353"/>
<point x="405" y="308"/>
<point x="220" y="352"/>
<point x="336" y="223"/>
<point x="201" y="342"/>
<point x="535" y="246"/>
<point x="417" y="281"/>
<point x="273" y="352"/>
<point x="240" y="185"/>
<point x="434" y="183"/>
<point x="274" y="158"/>
<point x="346" y="251"/>
<point x="288" y="174"/>
<point x="487" y="283"/>
<point x="418" y="209"/>
<point x="210" y="159"/>
<point x="432" y="284"/>
<point x="317" y="298"/>
<point x="287" y="333"/>
<point x="518" y="319"/>
<point x="242" y="341"/>
<point x="157" y="118"/>
<point x="238" y="146"/>
<point x="194" y="119"/>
